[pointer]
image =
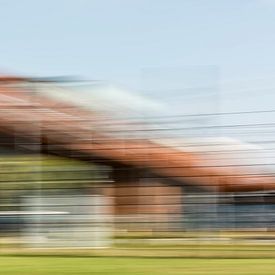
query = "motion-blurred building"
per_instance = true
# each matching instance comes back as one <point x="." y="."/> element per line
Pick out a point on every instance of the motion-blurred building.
<point x="57" y="156"/>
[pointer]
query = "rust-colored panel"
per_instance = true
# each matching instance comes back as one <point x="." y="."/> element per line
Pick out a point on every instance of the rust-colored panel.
<point x="64" y="127"/>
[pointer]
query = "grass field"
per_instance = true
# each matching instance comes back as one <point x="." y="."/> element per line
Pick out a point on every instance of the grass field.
<point x="44" y="265"/>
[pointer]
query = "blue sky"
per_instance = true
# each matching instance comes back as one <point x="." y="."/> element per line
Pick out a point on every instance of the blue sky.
<point x="113" y="39"/>
<point x="231" y="42"/>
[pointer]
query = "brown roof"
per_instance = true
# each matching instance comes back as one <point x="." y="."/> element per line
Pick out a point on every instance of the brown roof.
<point x="63" y="126"/>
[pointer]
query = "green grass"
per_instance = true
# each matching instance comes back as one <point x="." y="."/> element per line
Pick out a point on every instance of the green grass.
<point x="43" y="265"/>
